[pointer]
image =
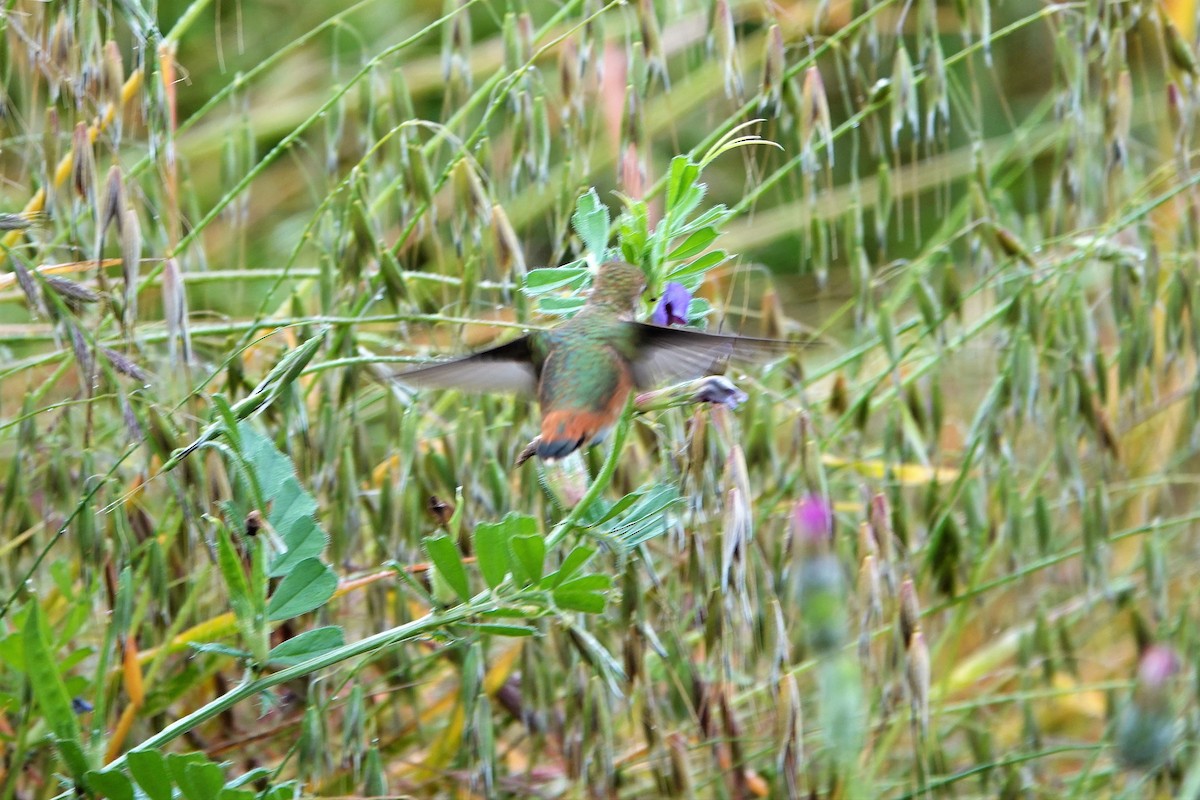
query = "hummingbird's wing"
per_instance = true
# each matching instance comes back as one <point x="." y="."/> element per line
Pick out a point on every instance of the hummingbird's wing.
<point x="674" y="354"/>
<point x="507" y="368"/>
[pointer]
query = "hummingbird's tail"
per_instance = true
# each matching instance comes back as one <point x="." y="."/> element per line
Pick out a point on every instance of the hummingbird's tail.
<point x="565" y="431"/>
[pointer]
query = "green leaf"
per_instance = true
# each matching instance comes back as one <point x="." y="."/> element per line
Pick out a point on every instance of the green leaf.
<point x="443" y="552"/>
<point x="281" y="376"/>
<point x="256" y="774"/>
<point x="219" y="649"/>
<point x="528" y="557"/>
<point x="619" y="506"/>
<point x="574" y="561"/>
<point x="713" y="217"/>
<point x="308" y="586"/>
<point x="698" y="267"/>
<point x="586" y="593"/>
<point x="698" y="309"/>
<point x="560" y="306"/>
<point x="633" y="230"/>
<point x="236" y="794"/>
<point x="149" y="769"/>
<point x="643" y="520"/>
<point x="292" y="508"/>
<point x="586" y="602"/>
<point x="203" y="780"/>
<point x="304" y="539"/>
<point x="286" y="791"/>
<point x="50" y="693"/>
<point x="113" y="784"/>
<point x="304" y="646"/>
<point x="238" y="587"/>
<point x="595" y="582"/>
<point x="590" y="221"/>
<point x="490" y="541"/>
<point x="548" y="279"/>
<point x="695" y="244"/>
<point x="681" y="184"/>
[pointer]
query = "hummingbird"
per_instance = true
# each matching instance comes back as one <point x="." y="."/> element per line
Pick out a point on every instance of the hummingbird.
<point x="583" y="371"/>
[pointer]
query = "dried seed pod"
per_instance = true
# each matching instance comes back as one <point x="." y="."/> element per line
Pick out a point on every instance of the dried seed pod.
<point x="509" y="252"/>
<point x="910" y="610"/>
<point x="30" y="288"/>
<point x="83" y="354"/>
<point x="123" y="365"/>
<point x="112" y="203"/>
<point x="723" y="39"/>
<point x="75" y="294"/>
<point x="176" y="312"/>
<point x="770" y="99"/>
<point x="131" y="256"/>
<point x="1177" y="47"/>
<point x="918" y="673"/>
<point x="656" y="59"/>
<point x="816" y="110"/>
<point x="83" y="163"/>
<point x="112" y="78"/>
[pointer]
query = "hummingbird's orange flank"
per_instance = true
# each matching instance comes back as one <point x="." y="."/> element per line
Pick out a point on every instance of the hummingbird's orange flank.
<point x="584" y="369"/>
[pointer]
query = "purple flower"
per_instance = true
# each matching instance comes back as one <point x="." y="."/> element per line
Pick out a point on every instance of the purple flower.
<point x="813" y="518"/>
<point x="1158" y="665"/>
<point x="672" y="306"/>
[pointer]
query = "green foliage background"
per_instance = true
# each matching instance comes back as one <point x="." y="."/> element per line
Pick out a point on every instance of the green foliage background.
<point x="238" y="561"/>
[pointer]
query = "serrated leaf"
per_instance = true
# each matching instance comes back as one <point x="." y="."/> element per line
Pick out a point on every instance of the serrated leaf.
<point x="528" y="553"/>
<point x="548" y="279"/>
<point x="149" y="769"/>
<point x="307" y="587"/>
<point x="443" y="552"/>
<point x="304" y="646"/>
<point x="694" y="244"/>
<point x="590" y="221"/>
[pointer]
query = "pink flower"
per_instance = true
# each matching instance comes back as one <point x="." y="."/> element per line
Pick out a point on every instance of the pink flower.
<point x="813" y="518"/>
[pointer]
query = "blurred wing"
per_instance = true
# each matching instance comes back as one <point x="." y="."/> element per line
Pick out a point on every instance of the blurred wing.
<point x="675" y="354"/>
<point x="507" y="368"/>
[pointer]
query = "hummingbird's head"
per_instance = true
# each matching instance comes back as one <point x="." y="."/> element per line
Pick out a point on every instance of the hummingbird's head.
<point x="618" y="285"/>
